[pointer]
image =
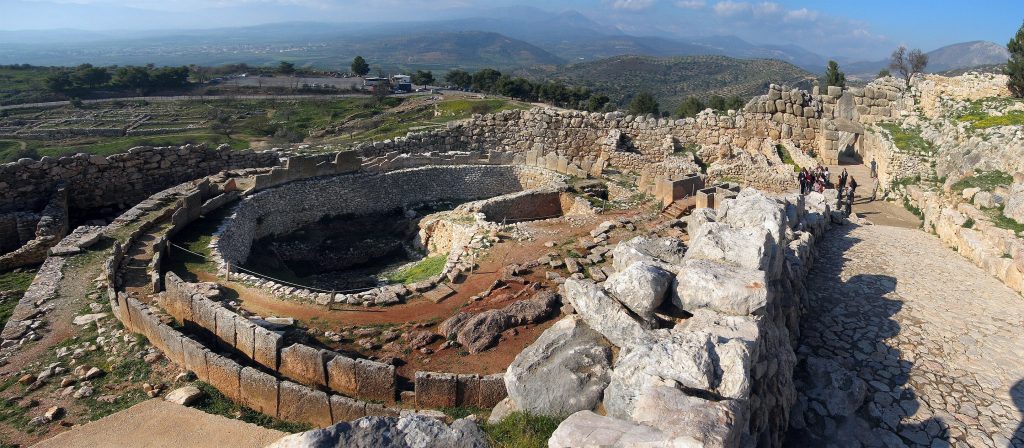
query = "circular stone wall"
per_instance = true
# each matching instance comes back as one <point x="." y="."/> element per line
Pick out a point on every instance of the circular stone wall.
<point x="283" y="209"/>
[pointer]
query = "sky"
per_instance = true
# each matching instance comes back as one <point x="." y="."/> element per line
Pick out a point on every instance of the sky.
<point x="852" y="29"/>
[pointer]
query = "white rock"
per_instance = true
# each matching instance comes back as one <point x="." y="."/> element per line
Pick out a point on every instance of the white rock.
<point x="641" y="287"/>
<point x="602" y="313"/>
<point x="88" y="318"/>
<point x="718" y="424"/>
<point x="587" y="429"/>
<point x="564" y="371"/>
<point x="184" y="395"/>
<point x="720" y="287"/>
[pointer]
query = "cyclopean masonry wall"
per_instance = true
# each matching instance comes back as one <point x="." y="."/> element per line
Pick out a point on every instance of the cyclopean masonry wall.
<point x="95" y="182"/>
<point x="998" y="251"/>
<point x="279" y="210"/>
<point x="722" y="377"/>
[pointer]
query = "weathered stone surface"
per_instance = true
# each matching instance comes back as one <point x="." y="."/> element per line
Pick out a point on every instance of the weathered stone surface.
<point x="224" y="375"/>
<point x="720" y="287"/>
<point x="345" y="409"/>
<point x="375" y="380"/>
<point x="682" y="357"/>
<point x="259" y="390"/>
<point x="712" y="423"/>
<point x="750" y="248"/>
<point x="1014" y="208"/>
<point x="299" y="403"/>
<point x="341" y="375"/>
<point x="564" y="371"/>
<point x="657" y="251"/>
<point x="411" y="431"/>
<point x="641" y="287"/>
<point x="602" y="313"/>
<point x="304" y="364"/>
<point x="586" y="428"/>
<point x="184" y="395"/>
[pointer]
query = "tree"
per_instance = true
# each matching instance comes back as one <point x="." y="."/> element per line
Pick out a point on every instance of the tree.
<point x="883" y="73"/>
<point x="485" y="80"/>
<point x="359" y="66"/>
<point x="907" y="64"/>
<point x="834" y="77"/>
<point x="643" y="103"/>
<point x="132" y="78"/>
<point x="459" y="78"/>
<point x="690" y="107"/>
<point x="381" y="90"/>
<point x="89" y="77"/>
<point x="734" y="103"/>
<point x="423" y="78"/>
<point x="716" y="102"/>
<point x="59" y="82"/>
<point x="1015" y="65"/>
<point x="286" y="68"/>
<point x="596" y="102"/>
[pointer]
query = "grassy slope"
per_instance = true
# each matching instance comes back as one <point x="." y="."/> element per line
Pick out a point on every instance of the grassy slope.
<point x="671" y="79"/>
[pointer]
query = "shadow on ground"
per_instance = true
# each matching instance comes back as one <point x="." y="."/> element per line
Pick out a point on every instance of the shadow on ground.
<point x="851" y="384"/>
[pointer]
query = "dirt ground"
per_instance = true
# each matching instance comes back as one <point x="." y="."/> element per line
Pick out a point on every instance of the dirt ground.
<point x="427" y="314"/>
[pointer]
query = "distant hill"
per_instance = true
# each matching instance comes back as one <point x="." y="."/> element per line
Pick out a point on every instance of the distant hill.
<point x="963" y="55"/>
<point x="967" y="54"/>
<point x="320" y="45"/>
<point x="671" y="79"/>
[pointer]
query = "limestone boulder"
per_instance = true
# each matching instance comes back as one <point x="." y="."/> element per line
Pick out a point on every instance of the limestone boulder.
<point x="1014" y="208"/>
<point x="698" y="217"/>
<point x="658" y="251"/>
<point x="683" y="357"/>
<point x="641" y="287"/>
<point x="602" y="313"/>
<point x="411" y="431"/>
<point x="184" y="395"/>
<point x="565" y="370"/>
<point x="483" y="330"/>
<point x="751" y="208"/>
<point x="720" y="287"/>
<point x="587" y="429"/>
<point x="714" y="424"/>
<point x="750" y="247"/>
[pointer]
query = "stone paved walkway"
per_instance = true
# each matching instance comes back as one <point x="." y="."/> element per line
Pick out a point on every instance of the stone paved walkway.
<point x="937" y="343"/>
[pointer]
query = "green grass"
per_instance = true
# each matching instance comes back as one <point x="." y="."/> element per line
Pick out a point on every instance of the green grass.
<point x="1004" y="222"/>
<point x="786" y="157"/>
<point x="214" y="402"/>
<point x="422" y="270"/>
<point x="196" y="238"/>
<point x="463" y="411"/>
<point x="397" y="124"/>
<point x="979" y="119"/>
<point x="912" y="208"/>
<point x="13" y="281"/>
<point x="909" y="140"/>
<point x="985" y="180"/>
<point x="522" y="430"/>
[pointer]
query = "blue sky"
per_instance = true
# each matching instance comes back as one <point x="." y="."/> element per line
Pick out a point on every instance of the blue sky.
<point x="865" y="29"/>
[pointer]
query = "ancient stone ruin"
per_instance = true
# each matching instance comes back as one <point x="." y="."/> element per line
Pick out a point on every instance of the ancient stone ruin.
<point x="676" y="326"/>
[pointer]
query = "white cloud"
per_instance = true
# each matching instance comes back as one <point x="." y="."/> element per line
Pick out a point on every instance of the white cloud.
<point x="802" y="14"/>
<point x="632" y="5"/>
<point x="691" y="4"/>
<point x="728" y="8"/>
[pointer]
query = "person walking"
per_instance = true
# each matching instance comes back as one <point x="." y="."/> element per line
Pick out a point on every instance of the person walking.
<point x="842" y="179"/>
<point x="874" y="167"/>
<point x="853" y="187"/>
<point x="849" y="201"/>
<point x="801" y="177"/>
<point x="827" y="177"/>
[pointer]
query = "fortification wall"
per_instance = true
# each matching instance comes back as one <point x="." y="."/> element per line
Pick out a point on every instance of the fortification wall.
<point x="723" y="377"/>
<point x="120" y="180"/>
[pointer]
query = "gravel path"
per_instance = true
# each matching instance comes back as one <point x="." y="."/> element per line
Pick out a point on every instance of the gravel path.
<point x="937" y="343"/>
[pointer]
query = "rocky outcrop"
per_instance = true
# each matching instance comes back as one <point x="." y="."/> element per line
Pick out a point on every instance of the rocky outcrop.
<point x="564" y="371"/>
<point x="410" y="431"/>
<point x="723" y="377"/>
<point x="478" y="332"/>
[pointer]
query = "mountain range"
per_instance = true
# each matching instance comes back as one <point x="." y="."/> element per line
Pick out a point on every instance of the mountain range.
<point x="506" y="37"/>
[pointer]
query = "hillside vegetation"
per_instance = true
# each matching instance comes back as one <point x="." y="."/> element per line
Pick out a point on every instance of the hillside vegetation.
<point x="672" y="79"/>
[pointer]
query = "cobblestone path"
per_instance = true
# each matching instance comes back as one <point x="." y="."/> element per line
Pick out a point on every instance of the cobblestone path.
<point x="906" y="343"/>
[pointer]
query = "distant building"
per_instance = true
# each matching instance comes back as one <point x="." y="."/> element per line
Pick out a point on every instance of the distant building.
<point x="401" y="83"/>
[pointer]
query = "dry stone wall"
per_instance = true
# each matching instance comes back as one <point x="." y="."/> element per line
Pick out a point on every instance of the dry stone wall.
<point x="723" y="377"/>
<point x="280" y="210"/>
<point x="95" y="182"/>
